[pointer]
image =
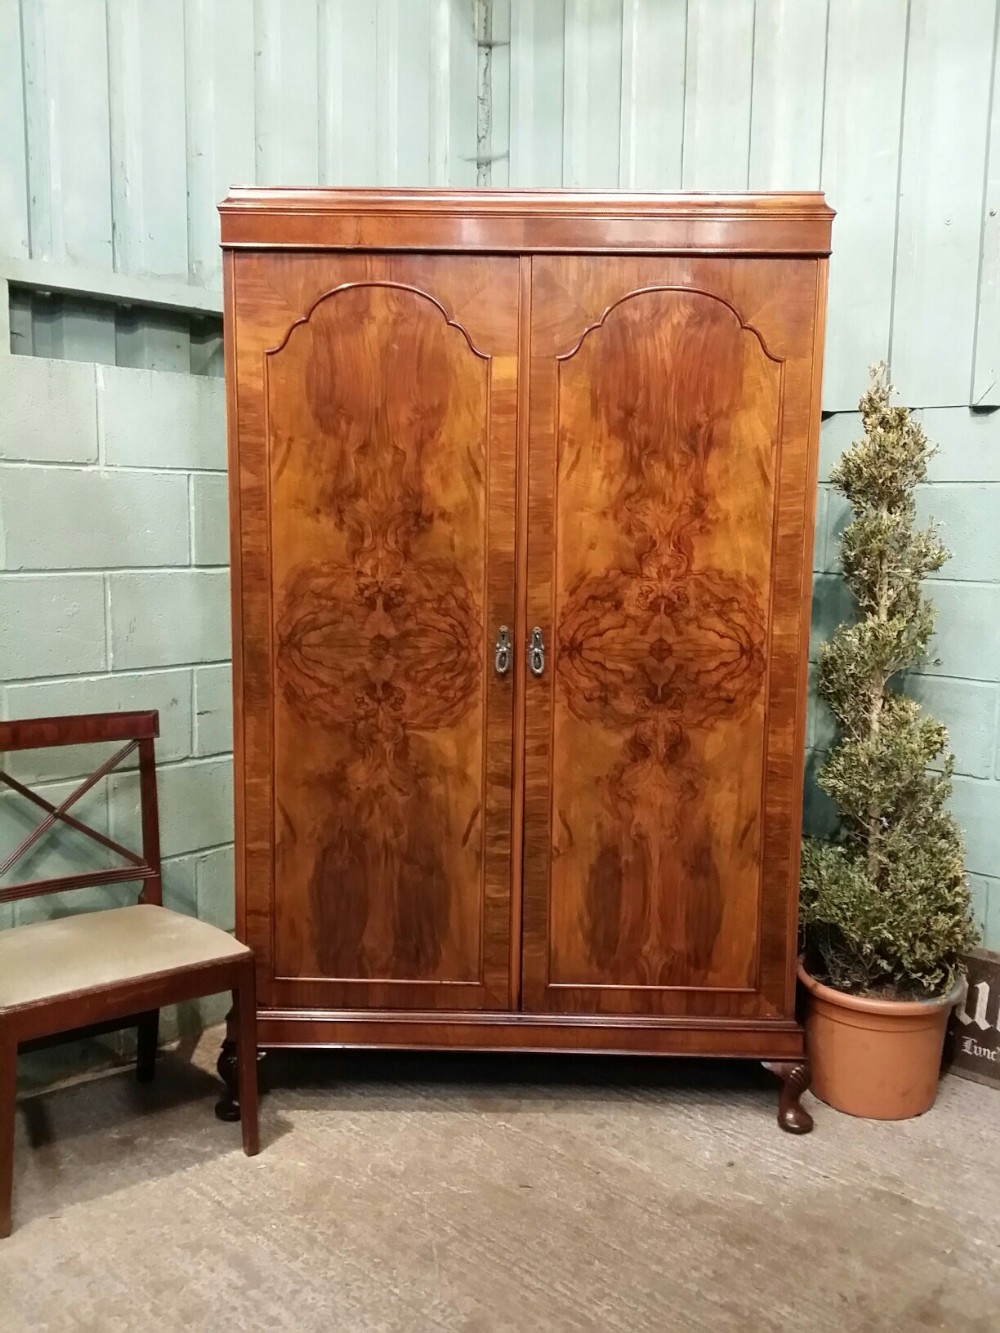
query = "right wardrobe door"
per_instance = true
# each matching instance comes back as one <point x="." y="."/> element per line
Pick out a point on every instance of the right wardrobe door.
<point x="671" y="485"/>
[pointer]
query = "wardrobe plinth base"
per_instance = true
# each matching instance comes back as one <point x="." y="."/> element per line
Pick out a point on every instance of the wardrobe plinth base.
<point x="774" y="1040"/>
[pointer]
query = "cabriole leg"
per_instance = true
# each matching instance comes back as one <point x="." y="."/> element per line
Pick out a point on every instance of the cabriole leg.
<point x="795" y="1079"/>
<point x="228" y="1106"/>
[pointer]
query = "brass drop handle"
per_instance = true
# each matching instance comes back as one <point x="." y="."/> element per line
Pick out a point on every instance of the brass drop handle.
<point x="536" y="652"/>
<point x="502" y="659"/>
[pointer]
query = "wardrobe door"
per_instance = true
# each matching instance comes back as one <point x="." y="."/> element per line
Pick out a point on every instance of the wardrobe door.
<point x="671" y="485"/>
<point x="377" y="413"/>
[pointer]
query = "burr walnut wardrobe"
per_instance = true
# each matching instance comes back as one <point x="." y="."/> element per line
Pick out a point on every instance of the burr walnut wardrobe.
<point x="522" y="491"/>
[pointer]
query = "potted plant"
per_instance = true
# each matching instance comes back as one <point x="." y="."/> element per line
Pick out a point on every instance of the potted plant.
<point x="885" y="907"/>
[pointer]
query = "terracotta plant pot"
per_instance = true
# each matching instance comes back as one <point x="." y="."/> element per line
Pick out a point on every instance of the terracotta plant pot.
<point x="875" y="1058"/>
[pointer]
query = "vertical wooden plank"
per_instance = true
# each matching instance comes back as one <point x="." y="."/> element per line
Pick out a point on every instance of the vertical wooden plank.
<point x="717" y="95"/>
<point x="499" y="93"/>
<point x="148" y="166"/>
<point x="219" y="47"/>
<point x="14" y="236"/>
<point x="348" y="85"/>
<point x="20" y="312"/>
<point x="986" y="366"/>
<point x="387" y="92"/>
<point x="949" y="71"/>
<point x="68" y="131"/>
<point x="861" y="132"/>
<point x="69" y="328"/>
<point x="537" y="56"/>
<point x="206" y="347"/>
<point x="148" y="172"/>
<point x="786" y="127"/>
<point x="405" y="81"/>
<point x="593" y="93"/>
<point x="439" y="105"/>
<point x="153" y="340"/>
<point x="654" y="36"/>
<point x="329" y="127"/>
<point x="286" y="109"/>
<point x="69" y="160"/>
<point x="11" y="320"/>
<point x="359" y="85"/>
<point x="484" y="92"/>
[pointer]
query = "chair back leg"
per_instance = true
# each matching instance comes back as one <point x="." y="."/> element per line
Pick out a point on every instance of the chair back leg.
<point x="8" y="1089"/>
<point x="147" y="1036"/>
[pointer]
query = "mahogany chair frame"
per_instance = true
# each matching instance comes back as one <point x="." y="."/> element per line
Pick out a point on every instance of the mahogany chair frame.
<point x="140" y="998"/>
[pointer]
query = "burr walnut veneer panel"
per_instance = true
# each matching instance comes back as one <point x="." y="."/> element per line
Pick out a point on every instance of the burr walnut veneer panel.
<point x="669" y="411"/>
<point x="590" y="417"/>
<point x="377" y="398"/>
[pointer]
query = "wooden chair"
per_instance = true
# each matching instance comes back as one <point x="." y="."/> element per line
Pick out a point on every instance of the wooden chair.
<point x="98" y="968"/>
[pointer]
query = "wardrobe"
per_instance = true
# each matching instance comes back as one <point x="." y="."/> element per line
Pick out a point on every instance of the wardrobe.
<point x="522" y="490"/>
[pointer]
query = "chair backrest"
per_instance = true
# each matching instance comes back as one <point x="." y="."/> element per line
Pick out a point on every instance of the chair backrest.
<point x="137" y="732"/>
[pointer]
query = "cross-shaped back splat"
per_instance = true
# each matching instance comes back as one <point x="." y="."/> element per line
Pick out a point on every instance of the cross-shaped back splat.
<point x="138" y="731"/>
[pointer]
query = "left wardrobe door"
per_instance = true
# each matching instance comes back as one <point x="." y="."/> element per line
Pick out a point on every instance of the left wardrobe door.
<point x="373" y="440"/>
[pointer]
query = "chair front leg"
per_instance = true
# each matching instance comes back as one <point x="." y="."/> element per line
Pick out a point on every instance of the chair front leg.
<point x="147" y="1036"/>
<point x="245" y="1000"/>
<point x="8" y="1089"/>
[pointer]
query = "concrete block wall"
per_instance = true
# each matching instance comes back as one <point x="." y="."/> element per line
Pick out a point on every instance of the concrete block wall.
<point x="114" y="594"/>
<point x="962" y="689"/>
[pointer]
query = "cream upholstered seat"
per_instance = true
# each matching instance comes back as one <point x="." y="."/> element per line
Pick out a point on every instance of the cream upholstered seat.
<point x="98" y="950"/>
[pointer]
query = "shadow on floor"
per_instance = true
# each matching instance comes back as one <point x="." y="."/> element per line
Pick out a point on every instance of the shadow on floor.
<point x="86" y="1139"/>
<point x="492" y="1079"/>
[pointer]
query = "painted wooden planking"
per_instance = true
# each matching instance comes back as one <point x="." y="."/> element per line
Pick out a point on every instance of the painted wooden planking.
<point x="427" y="133"/>
<point x="717" y="95"/>
<point x="329" y="95"/>
<point x="14" y="237"/>
<point x="537" y="55"/>
<point x="986" y="366"/>
<point x="592" y="94"/>
<point x="219" y="45"/>
<point x="439" y="93"/>
<point x="11" y="322"/>
<point x="786" y="125"/>
<point x="286" y="92"/>
<point x="949" y="70"/>
<point x="402" y="91"/>
<point x="67" y="131"/>
<point x="387" y="93"/>
<point x="497" y="170"/>
<point x="348" y="92"/>
<point x="429" y="53"/>
<point x="654" y="37"/>
<point x="18" y="331"/>
<point x="153" y="340"/>
<point x="148" y="159"/>
<point x="66" y="328"/>
<point x="862" y="116"/>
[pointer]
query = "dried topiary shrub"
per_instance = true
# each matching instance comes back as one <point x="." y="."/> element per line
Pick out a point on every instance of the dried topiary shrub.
<point x="885" y="908"/>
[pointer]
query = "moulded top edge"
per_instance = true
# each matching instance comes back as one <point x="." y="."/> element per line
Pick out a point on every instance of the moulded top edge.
<point x="565" y="203"/>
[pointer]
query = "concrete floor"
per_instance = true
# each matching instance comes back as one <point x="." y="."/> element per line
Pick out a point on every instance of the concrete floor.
<point x="495" y="1193"/>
